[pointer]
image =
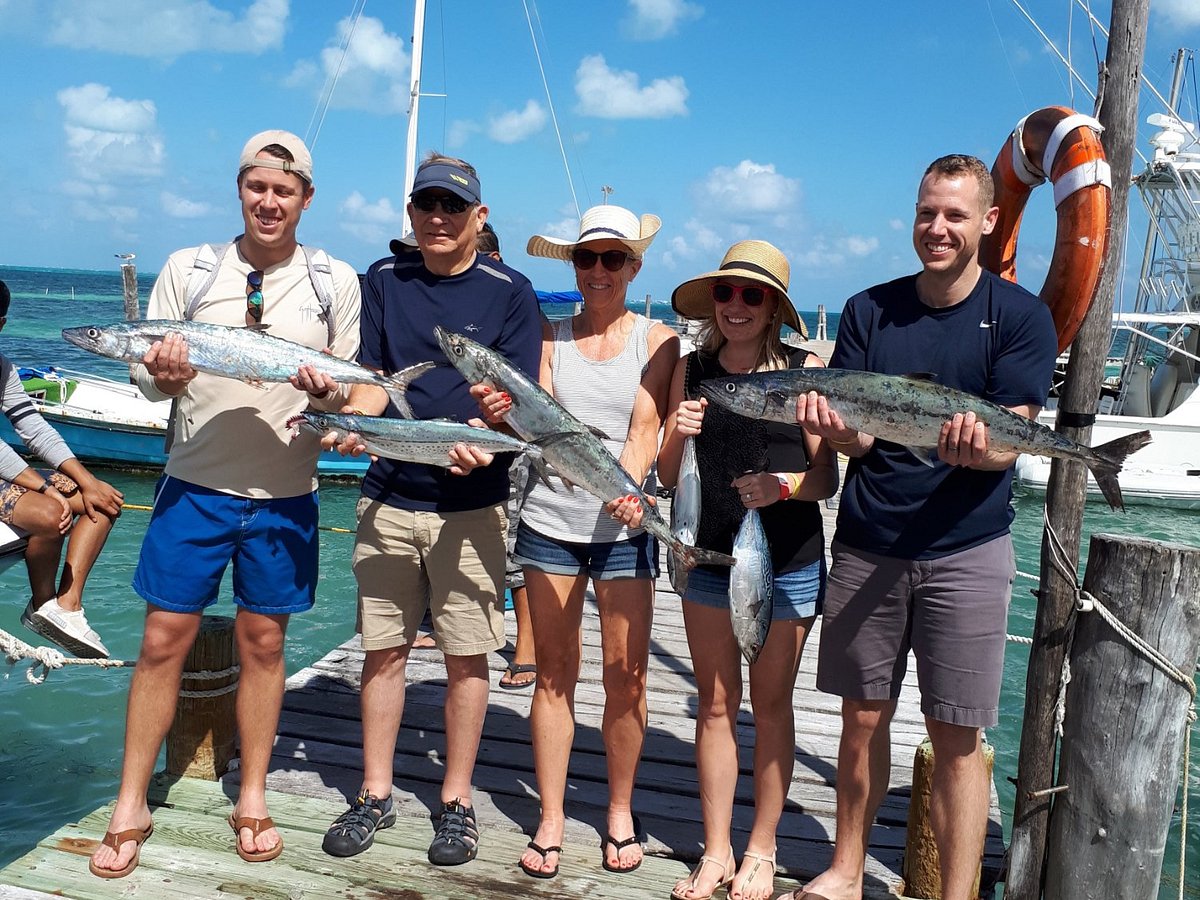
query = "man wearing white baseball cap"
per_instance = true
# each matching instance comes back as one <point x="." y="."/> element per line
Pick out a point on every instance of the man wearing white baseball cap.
<point x="237" y="488"/>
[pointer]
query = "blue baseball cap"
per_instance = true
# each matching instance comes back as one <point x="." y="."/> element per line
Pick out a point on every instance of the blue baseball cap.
<point x="455" y="179"/>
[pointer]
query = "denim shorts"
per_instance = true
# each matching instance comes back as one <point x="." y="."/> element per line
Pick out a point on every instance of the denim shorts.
<point x="195" y="532"/>
<point x="797" y="595"/>
<point x="636" y="557"/>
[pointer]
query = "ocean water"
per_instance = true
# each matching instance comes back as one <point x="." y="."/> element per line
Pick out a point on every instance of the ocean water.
<point x="60" y="742"/>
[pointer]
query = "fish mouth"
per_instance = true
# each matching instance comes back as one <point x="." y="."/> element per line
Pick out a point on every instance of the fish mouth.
<point x="295" y="423"/>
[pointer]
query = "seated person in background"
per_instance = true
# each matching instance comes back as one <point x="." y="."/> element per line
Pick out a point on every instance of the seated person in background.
<point x="45" y="506"/>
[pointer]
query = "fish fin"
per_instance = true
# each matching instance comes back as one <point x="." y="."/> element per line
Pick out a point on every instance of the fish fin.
<point x="777" y="396"/>
<point x="921" y="376"/>
<point x="397" y="386"/>
<point x="543" y="472"/>
<point x="927" y="455"/>
<point x="698" y="556"/>
<point x="598" y="432"/>
<point x="258" y="326"/>
<point x="550" y="439"/>
<point x="1106" y="461"/>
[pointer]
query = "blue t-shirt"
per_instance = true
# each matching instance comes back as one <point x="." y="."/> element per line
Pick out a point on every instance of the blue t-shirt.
<point x="999" y="344"/>
<point x="402" y="302"/>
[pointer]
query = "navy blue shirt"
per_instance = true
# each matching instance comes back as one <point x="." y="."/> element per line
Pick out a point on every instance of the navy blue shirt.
<point x="402" y="302"/>
<point x="999" y="344"/>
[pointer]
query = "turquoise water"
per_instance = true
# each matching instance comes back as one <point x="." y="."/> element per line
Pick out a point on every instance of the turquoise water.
<point x="60" y="743"/>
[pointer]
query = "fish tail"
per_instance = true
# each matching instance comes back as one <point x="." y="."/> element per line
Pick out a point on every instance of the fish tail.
<point x="1106" y="460"/>
<point x="396" y="386"/>
<point x="691" y="556"/>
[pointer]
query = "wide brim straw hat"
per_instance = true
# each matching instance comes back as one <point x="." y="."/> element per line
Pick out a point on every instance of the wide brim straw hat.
<point x="601" y="223"/>
<point x="756" y="260"/>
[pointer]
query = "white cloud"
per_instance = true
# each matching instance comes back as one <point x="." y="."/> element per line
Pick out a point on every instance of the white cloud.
<point x="699" y="242"/>
<point x="109" y="137"/>
<point x="103" y="212"/>
<point x="371" y="222"/>
<point x="822" y="254"/>
<point x="567" y="229"/>
<point x="650" y="20"/>
<point x="460" y="132"/>
<point x="749" y="189"/>
<point x="860" y="246"/>
<point x="165" y="29"/>
<point x="514" y="125"/>
<point x="372" y="76"/>
<point x="609" y="94"/>
<point x="1180" y="13"/>
<point x="181" y="208"/>
<point x="897" y="224"/>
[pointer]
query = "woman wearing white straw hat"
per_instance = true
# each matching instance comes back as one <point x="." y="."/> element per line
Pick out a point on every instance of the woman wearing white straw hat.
<point x="782" y="472"/>
<point x="611" y="368"/>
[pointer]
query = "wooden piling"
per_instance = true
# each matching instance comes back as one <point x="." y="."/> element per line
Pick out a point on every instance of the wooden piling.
<point x="1125" y="721"/>
<point x="201" y="741"/>
<point x="922" y="875"/>
<point x="822" y="328"/>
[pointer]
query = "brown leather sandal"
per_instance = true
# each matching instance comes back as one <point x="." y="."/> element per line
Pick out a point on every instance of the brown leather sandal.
<point x="115" y="839"/>
<point x="257" y="827"/>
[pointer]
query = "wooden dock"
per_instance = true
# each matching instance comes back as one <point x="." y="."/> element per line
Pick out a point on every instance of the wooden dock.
<point x="316" y="767"/>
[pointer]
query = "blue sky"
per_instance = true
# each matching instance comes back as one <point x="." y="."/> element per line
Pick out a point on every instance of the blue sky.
<point x="805" y="124"/>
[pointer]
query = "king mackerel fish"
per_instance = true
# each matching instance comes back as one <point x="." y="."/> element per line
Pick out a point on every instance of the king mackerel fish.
<point x="410" y="440"/>
<point x="910" y="411"/>
<point x="246" y="354"/>
<point x="751" y="587"/>
<point x="568" y="445"/>
<point x="685" y="511"/>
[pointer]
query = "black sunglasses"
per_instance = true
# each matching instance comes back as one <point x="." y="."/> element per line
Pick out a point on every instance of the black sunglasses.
<point x="751" y="296"/>
<point x="254" y="298"/>
<point x="612" y="260"/>
<point x="451" y="204"/>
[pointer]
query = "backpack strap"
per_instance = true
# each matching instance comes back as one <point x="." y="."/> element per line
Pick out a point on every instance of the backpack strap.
<point x="204" y="272"/>
<point x="320" y="273"/>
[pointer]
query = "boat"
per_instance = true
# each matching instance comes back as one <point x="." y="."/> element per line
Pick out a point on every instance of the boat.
<point x="12" y="546"/>
<point x="1151" y="377"/>
<point x="112" y="424"/>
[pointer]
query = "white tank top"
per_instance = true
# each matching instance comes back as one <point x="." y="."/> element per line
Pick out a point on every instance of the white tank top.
<point x="600" y="394"/>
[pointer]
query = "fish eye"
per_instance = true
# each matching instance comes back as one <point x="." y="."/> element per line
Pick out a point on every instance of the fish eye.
<point x="93" y="332"/>
<point x="730" y="387"/>
<point x="458" y="349"/>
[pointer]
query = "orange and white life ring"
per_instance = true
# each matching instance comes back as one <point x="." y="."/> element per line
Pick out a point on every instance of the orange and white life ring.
<point x="1058" y="143"/>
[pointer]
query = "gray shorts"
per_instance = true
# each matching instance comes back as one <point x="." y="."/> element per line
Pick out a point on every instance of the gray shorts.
<point x="951" y="612"/>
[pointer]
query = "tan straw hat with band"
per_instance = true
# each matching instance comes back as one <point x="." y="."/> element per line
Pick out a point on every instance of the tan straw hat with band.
<point x="601" y="223"/>
<point x="756" y="260"/>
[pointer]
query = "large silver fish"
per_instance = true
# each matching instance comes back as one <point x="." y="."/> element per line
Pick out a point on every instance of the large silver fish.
<point x="577" y="454"/>
<point x="246" y="354"/>
<point x="910" y="411"/>
<point x="410" y="440"/>
<point x="685" y="511"/>
<point x="751" y="586"/>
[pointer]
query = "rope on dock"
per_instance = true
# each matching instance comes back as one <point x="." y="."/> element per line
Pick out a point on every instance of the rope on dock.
<point x="212" y="676"/>
<point x="47" y="658"/>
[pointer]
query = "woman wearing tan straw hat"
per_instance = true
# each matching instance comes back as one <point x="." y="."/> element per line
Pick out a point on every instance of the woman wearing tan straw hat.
<point x="612" y="369"/>
<point x="782" y="472"/>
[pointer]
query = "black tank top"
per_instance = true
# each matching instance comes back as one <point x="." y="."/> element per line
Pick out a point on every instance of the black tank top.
<point x="730" y="445"/>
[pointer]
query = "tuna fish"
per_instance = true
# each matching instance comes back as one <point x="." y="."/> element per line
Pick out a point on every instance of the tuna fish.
<point x="246" y="354"/>
<point x="410" y="440"/>
<point x="575" y="452"/>
<point x="685" y="511"/>
<point x="751" y="586"/>
<point x="910" y="411"/>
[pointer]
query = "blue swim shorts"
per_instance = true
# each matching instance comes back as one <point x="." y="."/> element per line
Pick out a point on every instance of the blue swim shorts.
<point x="797" y="595"/>
<point x="195" y="532"/>
<point x="636" y="557"/>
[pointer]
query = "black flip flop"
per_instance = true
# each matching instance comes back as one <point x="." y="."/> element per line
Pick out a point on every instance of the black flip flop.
<point x="543" y="851"/>
<point x="513" y="671"/>
<point x="619" y="846"/>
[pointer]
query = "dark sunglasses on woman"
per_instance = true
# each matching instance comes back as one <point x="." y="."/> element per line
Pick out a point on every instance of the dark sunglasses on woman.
<point x="751" y="294"/>
<point x="612" y="260"/>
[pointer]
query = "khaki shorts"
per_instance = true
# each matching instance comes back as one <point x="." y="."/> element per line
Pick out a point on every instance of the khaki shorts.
<point x="952" y="612"/>
<point x="452" y="564"/>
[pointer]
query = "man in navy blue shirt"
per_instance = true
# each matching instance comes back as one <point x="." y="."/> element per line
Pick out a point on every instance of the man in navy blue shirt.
<point x="922" y="556"/>
<point x="428" y="538"/>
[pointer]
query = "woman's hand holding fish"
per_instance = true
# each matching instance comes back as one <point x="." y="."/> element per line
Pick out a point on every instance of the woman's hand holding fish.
<point x="493" y="404"/>
<point x="627" y="510"/>
<point x="757" y="490"/>
<point x="690" y="416"/>
<point x="167" y="361"/>
<point x="963" y="441"/>
<point x="814" y="416"/>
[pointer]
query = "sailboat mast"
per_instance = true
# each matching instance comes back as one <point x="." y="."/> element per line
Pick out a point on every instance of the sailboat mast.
<point x="414" y="98"/>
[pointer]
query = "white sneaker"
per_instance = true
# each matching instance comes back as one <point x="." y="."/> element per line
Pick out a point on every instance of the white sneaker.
<point x="69" y="630"/>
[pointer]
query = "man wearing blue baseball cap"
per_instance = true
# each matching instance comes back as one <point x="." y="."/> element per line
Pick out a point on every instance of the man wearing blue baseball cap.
<point x="431" y="539"/>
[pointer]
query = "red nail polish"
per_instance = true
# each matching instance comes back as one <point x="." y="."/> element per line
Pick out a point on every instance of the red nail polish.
<point x="486" y="391"/>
